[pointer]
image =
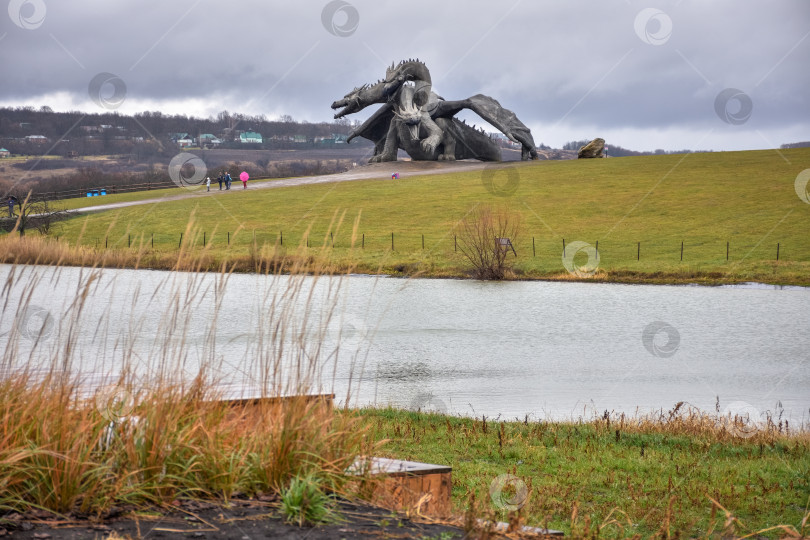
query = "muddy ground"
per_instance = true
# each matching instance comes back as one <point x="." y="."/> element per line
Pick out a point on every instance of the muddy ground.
<point x="241" y="520"/>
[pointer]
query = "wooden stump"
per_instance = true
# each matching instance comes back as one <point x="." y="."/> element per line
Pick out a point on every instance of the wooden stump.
<point x="413" y="487"/>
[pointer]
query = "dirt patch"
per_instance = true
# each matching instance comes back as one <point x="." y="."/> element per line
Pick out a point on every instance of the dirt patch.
<point x="241" y="519"/>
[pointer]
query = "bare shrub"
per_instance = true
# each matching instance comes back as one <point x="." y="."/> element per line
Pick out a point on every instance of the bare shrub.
<point x="37" y="212"/>
<point x="481" y="231"/>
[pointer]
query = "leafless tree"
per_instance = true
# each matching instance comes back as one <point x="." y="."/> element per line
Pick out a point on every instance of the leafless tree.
<point x="36" y="212"/>
<point x="484" y="233"/>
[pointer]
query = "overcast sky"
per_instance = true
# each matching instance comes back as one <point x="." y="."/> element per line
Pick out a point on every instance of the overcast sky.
<point x="722" y="75"/>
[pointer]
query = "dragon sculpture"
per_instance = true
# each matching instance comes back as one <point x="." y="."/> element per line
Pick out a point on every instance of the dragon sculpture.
<point x="417" y="120"/>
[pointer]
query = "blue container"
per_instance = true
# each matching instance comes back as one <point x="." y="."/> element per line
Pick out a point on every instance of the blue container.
<point x="103" y="191"/>
<point x="89" y="194"/>
<point x="95" y="193"/>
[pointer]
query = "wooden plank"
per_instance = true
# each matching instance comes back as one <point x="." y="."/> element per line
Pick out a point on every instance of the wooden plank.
<point x="399" y="467"/>
<point x="260" y="409"/>
<point x="274" y="400"/>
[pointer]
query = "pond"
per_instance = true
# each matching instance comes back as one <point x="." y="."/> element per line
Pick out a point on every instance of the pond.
<point x="549" y="350"/>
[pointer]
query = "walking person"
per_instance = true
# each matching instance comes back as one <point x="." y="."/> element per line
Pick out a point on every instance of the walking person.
<point x="219" y="179"/>
<point x="244" y="178"/>
<point x="11" y="201"/>
<point x="228" y="180"/>
<point x="208" y="183"/>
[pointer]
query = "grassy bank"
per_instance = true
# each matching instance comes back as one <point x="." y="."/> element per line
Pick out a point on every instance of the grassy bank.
<point x="680" y="474"/>
<point x="713" y="218"/>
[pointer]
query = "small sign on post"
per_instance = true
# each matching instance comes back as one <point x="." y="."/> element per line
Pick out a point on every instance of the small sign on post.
<point x="505" y="244"/>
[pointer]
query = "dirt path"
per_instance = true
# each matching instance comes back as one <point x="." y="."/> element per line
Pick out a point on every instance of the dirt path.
<point x="376" y="171"/>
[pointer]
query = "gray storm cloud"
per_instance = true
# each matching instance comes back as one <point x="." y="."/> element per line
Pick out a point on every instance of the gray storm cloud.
<point x="612" y="69"/>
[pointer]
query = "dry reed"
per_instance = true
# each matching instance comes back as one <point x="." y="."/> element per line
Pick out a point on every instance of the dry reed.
<point x="127" y="403"/>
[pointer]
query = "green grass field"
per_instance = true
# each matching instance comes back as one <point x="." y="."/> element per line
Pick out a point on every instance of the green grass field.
<point x="639" y="209"/>
<point x="613" y="479"/>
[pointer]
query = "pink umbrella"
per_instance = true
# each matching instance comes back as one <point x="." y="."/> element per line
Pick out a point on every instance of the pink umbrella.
<point x="244" y="176"/>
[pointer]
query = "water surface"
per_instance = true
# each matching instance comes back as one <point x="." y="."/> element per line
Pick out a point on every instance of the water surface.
<point x="549" y="350"/>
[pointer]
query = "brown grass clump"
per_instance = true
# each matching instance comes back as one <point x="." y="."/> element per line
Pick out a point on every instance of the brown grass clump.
<point x="148" y="424"/>
<point x="688" y="420"/>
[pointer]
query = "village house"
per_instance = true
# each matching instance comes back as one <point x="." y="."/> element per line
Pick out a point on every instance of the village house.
<point x="250" y="137"/>
<point x="208" y="139"/>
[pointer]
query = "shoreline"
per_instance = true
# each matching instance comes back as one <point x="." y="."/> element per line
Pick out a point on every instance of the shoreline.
<point x="271" y="266"/>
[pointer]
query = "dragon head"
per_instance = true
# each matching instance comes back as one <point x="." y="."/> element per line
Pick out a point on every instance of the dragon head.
<point x="408" y="71"/>
<point x="351" y="102"/>
<point x="386" y="89"/>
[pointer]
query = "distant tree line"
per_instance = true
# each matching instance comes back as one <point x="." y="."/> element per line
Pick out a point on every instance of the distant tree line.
<point x="804" y="144"/>
<point x="112" y="175"/>
<point x="615" y="150"/>
<point x="144" y="135"/>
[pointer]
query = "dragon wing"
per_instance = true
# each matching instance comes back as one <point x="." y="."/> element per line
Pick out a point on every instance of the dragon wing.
<point x="490" y="110"/>
<point x="375" y="128"/>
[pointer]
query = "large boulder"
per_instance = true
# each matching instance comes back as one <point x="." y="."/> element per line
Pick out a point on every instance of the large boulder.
<point x="593" y="149"/>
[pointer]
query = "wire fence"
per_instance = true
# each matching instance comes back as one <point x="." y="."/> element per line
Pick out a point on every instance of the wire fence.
<point x="527" y="247"/>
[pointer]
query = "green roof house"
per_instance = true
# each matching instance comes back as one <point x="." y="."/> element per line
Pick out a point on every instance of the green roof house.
<point x="250" y="137"/>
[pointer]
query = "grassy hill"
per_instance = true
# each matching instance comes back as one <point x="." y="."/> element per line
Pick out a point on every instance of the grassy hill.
<point x="639" y="210"/>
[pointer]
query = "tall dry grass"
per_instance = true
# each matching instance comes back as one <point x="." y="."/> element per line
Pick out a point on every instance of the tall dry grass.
<point x="193" y="254"/>
<point x="689" y="420"/>
<point x="104" y="404"/>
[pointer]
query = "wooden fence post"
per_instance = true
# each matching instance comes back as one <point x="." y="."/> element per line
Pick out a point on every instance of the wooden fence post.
<point x="726" y="250"/>
<point x="563" y="247"/>
<point x="181" y="240"/>
<point x="363" y="245"/>
<point x="392" y="241"/>
<point x="534" y="252"/>
<point x="681" y="250"/>
<point x="777" y="251"/>
<point x="638" y="252"/>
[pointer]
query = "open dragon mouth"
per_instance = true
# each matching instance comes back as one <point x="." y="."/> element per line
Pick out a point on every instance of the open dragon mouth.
<point x="349" y="107"/>
<point x="351" y="102"/>
<point x="408" y="112"/>
<point x="413" y="128"/>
